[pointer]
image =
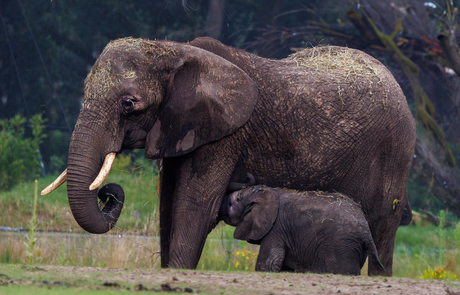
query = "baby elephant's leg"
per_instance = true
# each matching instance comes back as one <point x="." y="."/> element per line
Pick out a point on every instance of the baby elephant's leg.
<point x="271" y="255"/>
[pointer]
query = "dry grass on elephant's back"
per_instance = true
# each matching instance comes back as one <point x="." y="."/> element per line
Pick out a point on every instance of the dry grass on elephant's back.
<point x="340" y="63"/>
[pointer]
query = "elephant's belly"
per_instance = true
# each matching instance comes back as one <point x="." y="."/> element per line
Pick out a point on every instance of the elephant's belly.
<point x="292" y="176"/>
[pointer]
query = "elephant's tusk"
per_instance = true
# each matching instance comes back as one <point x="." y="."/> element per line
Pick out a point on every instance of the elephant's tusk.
<point x="55" y="184"/>
<point x="105" y="170"/>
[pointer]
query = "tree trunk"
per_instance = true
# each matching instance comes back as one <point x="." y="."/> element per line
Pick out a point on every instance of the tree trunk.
<point x="428" y="166"/>
<point x="449" y="51"/>
<point x="215" y="18"/>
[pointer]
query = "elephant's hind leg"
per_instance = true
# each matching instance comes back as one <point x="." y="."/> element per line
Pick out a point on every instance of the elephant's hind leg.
<point x="384" y="215"/>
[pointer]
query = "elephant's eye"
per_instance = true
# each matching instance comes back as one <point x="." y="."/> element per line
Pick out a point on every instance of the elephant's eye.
<point x="127" y="103"/>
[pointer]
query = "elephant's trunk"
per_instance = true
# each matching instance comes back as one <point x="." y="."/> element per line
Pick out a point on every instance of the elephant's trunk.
<point x="86" y="154"/>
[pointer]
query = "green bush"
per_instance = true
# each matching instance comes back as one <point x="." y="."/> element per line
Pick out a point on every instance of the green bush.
<point x="57" y="147"/>
<point x="131" y="161"/>
<point x="19" y="155"/>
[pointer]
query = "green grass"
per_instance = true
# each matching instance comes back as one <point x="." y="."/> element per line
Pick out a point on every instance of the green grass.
<point x="51" y="290"/>
<point x="35" y="280"/>
<point x="53" y="212"/>
<point x="417" y="248"/>
<point x="420" y="248"/>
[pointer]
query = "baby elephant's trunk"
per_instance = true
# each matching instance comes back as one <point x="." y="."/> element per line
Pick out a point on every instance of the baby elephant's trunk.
<point x="223" y="208"/>
<point x="233" y="187"/>
<point x="236" y="186"/>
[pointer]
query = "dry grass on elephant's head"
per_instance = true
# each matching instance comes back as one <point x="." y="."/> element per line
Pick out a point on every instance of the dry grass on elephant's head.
<point x="124" y="43"/>
<point x="119" y="61"/>
<point x="334" y="60"/>
<point x="132" y="44"/>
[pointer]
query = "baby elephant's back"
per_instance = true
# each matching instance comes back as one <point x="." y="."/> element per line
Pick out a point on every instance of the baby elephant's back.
<point x="333" y="232"/>
<point x="335" y="208"/>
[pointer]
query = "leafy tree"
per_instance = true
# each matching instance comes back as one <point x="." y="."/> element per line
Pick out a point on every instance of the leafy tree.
<point x="19" y="155"/>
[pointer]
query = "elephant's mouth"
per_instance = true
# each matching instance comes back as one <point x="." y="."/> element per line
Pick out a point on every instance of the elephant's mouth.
<point x="134" y="139"/>
<point x="103" y="173"/>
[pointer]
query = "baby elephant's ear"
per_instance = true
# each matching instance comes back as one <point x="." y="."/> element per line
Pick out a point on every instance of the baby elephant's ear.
<point x="259" y="216"/>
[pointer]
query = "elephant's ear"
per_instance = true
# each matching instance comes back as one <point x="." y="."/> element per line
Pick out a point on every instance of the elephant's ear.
<point x="207" y="98"/>
<point x="259" y="216"/>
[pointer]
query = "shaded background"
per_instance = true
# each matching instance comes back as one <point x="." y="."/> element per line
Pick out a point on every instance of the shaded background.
<point x="48" y="47"/>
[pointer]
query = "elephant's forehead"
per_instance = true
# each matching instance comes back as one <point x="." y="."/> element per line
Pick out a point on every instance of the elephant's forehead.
<point x="121" y="60"/>
<point x="131" y="48"/>
<point x="100" y="81"/>
<point x="106" y="76"/>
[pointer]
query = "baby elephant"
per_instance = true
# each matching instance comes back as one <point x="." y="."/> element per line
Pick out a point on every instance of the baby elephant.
<point x="300" y="231"/>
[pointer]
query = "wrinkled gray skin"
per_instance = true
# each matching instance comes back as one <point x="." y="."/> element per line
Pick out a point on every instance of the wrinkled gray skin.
<point x="214" y="113"/>
<point x="301" y="231"/>
<point x="236" y="186"/>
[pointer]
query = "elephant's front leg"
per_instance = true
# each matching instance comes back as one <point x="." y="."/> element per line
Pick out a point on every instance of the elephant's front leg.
<point x="167" y="185"/>
<point x="271" y="254"/>
<point x="192" y="191"/>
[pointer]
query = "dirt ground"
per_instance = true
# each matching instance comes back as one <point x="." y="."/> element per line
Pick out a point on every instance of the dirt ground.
<point x="205" y="282"/>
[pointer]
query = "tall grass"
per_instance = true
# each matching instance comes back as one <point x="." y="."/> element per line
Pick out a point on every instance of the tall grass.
<point x="31" y="239"/>
<point x="417" y="250"/>
<point x="223" y="253"/>
<point x="421" y="250"/>
<point x="120" y="251"/>
<point x="123" y="250"/>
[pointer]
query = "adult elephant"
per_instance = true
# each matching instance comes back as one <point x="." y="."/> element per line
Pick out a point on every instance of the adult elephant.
<point x="326" y="118"/>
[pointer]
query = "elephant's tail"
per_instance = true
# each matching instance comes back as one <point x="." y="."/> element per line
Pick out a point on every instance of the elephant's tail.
<point x="372" y="252"/>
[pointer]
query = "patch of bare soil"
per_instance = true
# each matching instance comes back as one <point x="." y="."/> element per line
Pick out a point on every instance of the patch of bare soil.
<point x="206" y="282"/>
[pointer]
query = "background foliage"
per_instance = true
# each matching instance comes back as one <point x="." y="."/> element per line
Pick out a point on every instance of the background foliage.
<point x="48" y="47"/>
<point x="19" y="155"/>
